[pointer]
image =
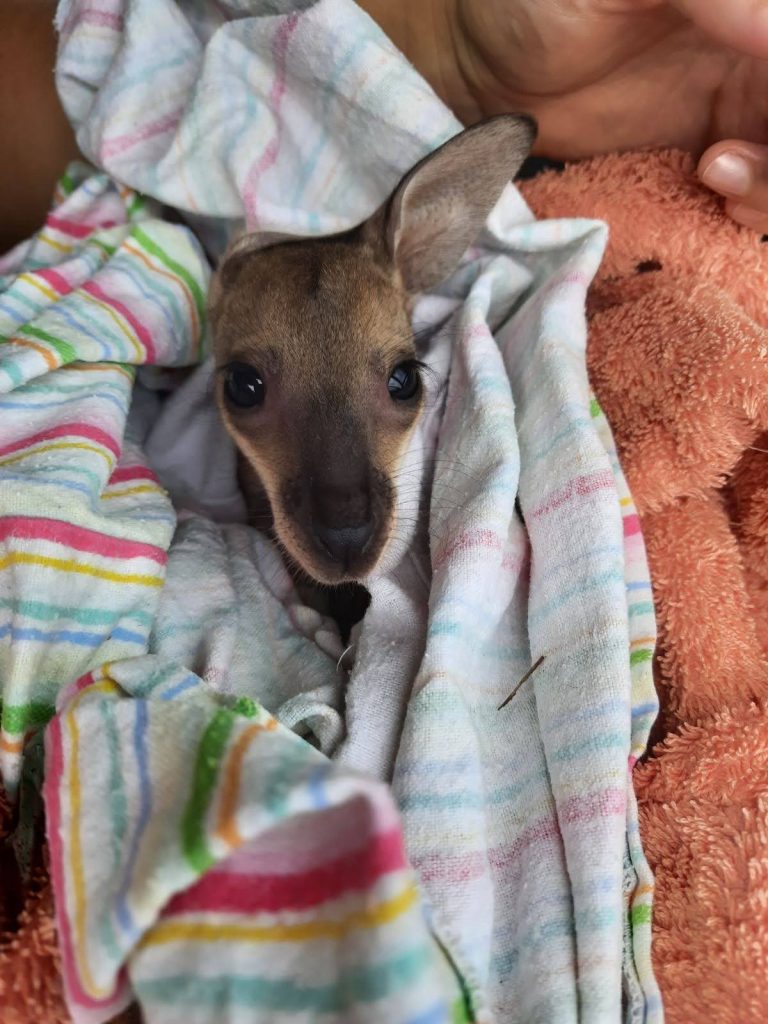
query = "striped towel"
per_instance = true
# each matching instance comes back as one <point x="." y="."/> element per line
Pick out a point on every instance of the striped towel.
<point x="229" y="802"/>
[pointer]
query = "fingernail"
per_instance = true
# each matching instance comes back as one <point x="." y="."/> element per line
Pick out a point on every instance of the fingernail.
<point x="729" y="173"/>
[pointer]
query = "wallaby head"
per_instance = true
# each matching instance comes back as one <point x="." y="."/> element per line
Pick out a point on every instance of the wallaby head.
<point x="318" y="378"/>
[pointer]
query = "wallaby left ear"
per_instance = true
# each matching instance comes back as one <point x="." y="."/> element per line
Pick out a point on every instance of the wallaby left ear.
<point x="440" y="206"/>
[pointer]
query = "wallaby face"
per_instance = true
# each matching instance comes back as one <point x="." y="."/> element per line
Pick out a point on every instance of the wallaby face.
<point x="318" y="379"/>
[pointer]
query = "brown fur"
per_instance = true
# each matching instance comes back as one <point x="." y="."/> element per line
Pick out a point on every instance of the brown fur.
<point x="325" y="322"/>
<point x="331" y="413"/>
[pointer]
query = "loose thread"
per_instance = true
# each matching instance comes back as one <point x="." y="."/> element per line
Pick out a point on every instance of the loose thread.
<point x="525" y="678"/>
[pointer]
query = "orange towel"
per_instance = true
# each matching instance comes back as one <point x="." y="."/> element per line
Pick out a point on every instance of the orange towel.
<point x="678" y="356"/>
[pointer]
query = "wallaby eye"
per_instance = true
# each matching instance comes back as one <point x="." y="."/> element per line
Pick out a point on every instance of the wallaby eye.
<point x="244" y="386"/>
<point x="404" y="382"/>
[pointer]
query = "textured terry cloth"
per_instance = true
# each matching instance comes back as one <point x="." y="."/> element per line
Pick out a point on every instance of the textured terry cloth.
<point x="137" y="812"/>
<point x="515" y="820"/>
<point x="679" y="357"/>
<point x="259" y="881"/>
<point x="84" y="525"/>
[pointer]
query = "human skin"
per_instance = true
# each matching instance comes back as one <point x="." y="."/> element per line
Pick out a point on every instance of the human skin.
<point x="36" y="142"/>
<point x="597" y="74"/>
<point x="603" y="75"/>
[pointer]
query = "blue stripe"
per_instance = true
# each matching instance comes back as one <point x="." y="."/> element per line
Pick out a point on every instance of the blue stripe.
<point x="145" y="807"/>
<point x="437" y="1014"/>
<point x="645" y="709"/>
<point x="80" y="638"/>
<point x="596" y="582"/>
<point x="187" y="683"/>
<point x="316" y="785"/>
<point x="13" y="404"/>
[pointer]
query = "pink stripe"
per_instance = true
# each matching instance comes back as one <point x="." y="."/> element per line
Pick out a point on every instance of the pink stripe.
<point x="141" y="331"/>
<point x="54" y="778"/>
<point x="106" y="19"/>
<point x="579" y="487"/>
<point x="69" y="227"/>
<point x="604" y="804"/>
<point x="269" y="156"/>
<point x="77" y="537"/>
<point x="474" y="864"/>
<point x="84" y="430"/>
<point x="82" y="684"/>
<point x="235" y="893"/>
<point x="54" y="279"/>
<point x="465" y="541"/>
<point x="631" y="525"/>
<point x="120" y="143"/>
<point x="125" y="473"/>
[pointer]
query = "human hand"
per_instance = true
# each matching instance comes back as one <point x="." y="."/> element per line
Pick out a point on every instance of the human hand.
<point x="601" y="75"/>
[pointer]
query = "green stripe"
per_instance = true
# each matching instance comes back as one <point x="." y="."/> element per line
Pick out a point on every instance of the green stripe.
<point x="43" y="612"/>
<point x="135" y="206"/>
<point x="20" y="717"/>
<point x="117" y="811"/>
<point x="594" y="408"/>
<point x="110" y="250"/>
<point x="641" y="914"/>
<point x="209" y="754"/>
<point x="461" y="1013"/>
<point x="66" y="184"/>
<point x="66" y="352"/>
<point x="359" y="985"/>
<point x="642" y="608"/>
<point x="171" y="264"/>
<point x="17" y="377"/>
<point x="638" y="657"/>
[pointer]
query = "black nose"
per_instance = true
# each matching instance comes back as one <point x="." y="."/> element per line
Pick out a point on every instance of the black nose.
<point x="344" y="543"/>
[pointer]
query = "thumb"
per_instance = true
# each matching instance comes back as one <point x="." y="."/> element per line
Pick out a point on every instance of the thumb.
<point x="740" y="24"/>
<point x="739" y="171"/>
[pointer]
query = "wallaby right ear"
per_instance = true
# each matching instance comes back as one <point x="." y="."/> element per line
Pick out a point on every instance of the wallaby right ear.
<point x="440" y="206"/>
<point x="236" y="255"/>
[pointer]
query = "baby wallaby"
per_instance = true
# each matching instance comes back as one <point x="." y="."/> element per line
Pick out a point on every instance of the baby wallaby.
<point x="318" y="377"/>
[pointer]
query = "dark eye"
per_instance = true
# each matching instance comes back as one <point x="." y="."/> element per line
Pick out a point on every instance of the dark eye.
<point x="244" y="386"/>
<point x="404" y="382"/>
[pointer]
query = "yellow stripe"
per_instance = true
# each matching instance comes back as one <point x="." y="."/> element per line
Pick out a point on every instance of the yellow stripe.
<point x="52" y="360"/>
<point x="59" y="445"/>
<point x="11" y="746"/>
<point x="75" y="845"/>
<point x="55" y="245"/>
<point x="49" y="293"/>
<point x="81" y="367"/>
<point x="173" y="277"/>
<point x="226" y="827"/>
<point x="139" y="489"/>
<point x="625" y="501"/>
<point x="132" y="340"/>
<point x="642" y="640"/>
<point x="66" y="565"/>
<point x="306" y="931"/>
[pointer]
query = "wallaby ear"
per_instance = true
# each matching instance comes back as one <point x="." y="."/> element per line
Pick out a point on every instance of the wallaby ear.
<point x="235" y="256"/>
<point x="440" y="206"/>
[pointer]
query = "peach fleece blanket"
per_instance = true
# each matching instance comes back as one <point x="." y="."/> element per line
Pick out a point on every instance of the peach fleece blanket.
<point x="678" y="357"/>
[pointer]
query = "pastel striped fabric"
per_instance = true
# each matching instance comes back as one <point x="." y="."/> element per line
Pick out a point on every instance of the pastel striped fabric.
<point x="84" y="524"/>
<point x="216" y="864"/>
<point x="237" y="872"/>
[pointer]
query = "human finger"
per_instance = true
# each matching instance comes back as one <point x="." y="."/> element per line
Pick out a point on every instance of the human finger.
<point x="740" y="24"/>
<point x="739" y="171"/>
